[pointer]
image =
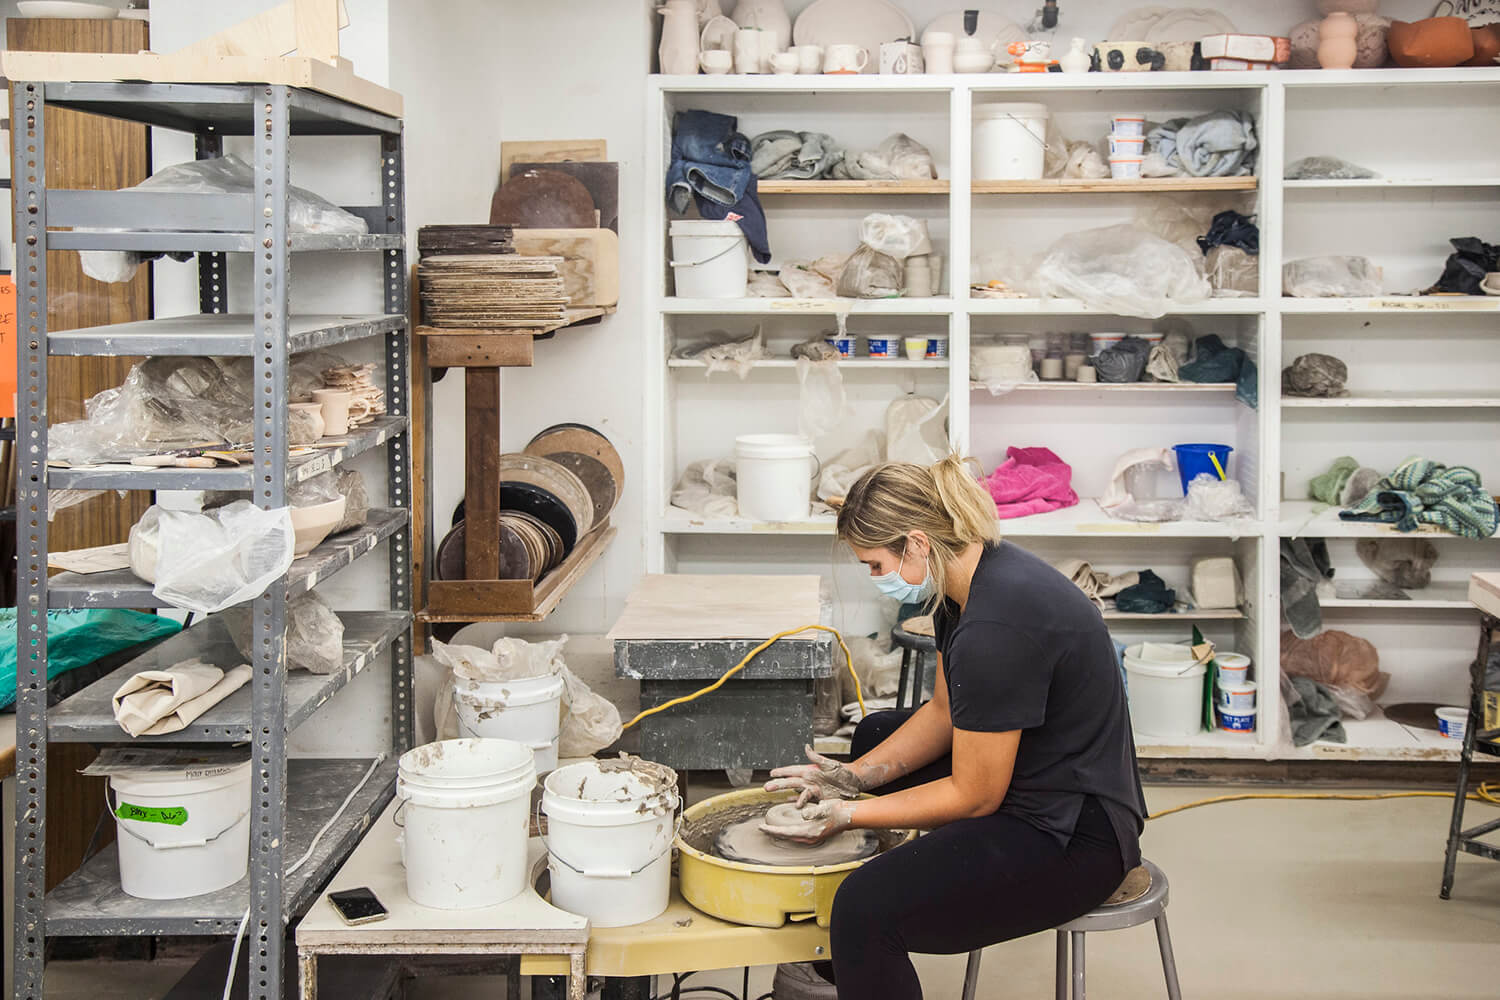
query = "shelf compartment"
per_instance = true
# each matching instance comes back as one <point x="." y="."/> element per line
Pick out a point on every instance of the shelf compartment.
<point x="1388" y="183"/>
<point x="1393" y="304"/>
<point x="673" y="306"/>
<point x="1381" y="739"/>
<point x="1395" y="400"/>
<point x="214" y="335"/>
<point x="834" y="187"/>
<point x="1302" y="519"/>
<point x="90" y="902"/>
<point x="1109" y="185"/>
<point x="1075" y="307"/>
<point x="1112" y="387"/>
<point x="682" y="522"/>
<point x="166" y="241"/>
<point x="123" y="589"/>
<point x="299" y="468"/>
<point x="1210" y="743"/>
<point x="1434" y="597"/>
<point x="514" y="600"/>
<point x="88" y="716"/>
<point x="1196" y="615"/>
<point x="1088" y="518"/>
<point x="222" y="108"/>
<point x="863" y="364"/>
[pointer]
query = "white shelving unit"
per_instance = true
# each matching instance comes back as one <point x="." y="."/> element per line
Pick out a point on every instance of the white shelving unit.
<point x="1423" y="370"/>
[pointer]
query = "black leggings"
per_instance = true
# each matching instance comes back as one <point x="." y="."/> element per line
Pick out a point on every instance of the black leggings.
<point x="971" y="883"/>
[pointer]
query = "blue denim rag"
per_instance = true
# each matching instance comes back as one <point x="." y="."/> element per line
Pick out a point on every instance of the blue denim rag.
<point x="711" y="166"/>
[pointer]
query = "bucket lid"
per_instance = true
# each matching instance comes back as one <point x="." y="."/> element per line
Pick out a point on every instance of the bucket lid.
<point x="466" y="761"/>
<point x="1161" y="660"/>
<point x="188" y="781"/>
<point x="705" y="227"/>
<point x="1232" y="659"/>
<point x="1010" y="110"/>
<point x="1235" y="687"/>
<point x="772" y="446"/>
<point x="599" y="793"/>
<point x="516" y="693"/>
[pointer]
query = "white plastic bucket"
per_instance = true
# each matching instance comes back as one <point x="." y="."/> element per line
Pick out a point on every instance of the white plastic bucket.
<point x="774" y="474"/>
<point x="1234" y="668"/>
<point x="1233" y="696"/>
<point x="466" y="810"/>
<point x="710" y="259"/>
<point x="182" y="833"/>
<point x="1165" y="690"/>
<point x="609" y="841"/>
<point x="1009" y="141"/>
<point x="528" y="710"/>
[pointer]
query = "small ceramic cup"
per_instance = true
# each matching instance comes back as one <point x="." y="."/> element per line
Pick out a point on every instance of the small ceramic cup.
<point x="716" y="61"/>
<point x="335" y="403"/>
<point x="809" y="59"/>
<point x="845" y="59"/>
<point x="785" y="63"/>
<point x="315" y="413"/>
<point x="1491" y="283"/>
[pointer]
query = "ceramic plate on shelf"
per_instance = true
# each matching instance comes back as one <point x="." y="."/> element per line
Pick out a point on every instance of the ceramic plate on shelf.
<point x="1189" y="24"/>
<point x="1136" y="23"/>
<point x="718" y="33"/>
<point x="995" y="30"/>
<point x="68" y="8"/>
<point x="1477" y="12"/>
<point x="866" y="23"/>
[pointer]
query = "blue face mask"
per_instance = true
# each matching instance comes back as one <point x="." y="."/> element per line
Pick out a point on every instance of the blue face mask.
<point x="895" y="586"/>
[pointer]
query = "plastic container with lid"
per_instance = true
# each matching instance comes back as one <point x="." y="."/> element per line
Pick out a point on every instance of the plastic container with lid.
<point x="1009" y="141"/>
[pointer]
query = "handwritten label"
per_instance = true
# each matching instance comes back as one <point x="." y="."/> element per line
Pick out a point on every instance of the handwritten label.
<point x="313" y="467"/>
<point x="166" y="815"/>
<point x="1436" y="303"/>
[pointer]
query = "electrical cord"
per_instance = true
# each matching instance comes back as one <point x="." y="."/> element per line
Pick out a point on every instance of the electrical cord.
<point x="1486" y="792"/>
<point x="239" y="936"/>
<point x="848" y="661"/>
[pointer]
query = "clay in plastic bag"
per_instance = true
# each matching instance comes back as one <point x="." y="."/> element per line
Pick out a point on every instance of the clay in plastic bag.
<point x="1213" y="499"/>
<point x="899" y="157"/>
<point x="871" y="275"/>
<point x="1336" y="659"/>
<point x="841" y="472"/>
<point x="1062" y="158"/>
<point x="708" y="488"/>
<point x="1311" y="168"/>
<point x="879" y="670"/>
<point x="738" y="356"/>
<point x="1232" y="271"/>
<point x="314" y="634"/>
<point x="915" y="430"/>
<point x="306" y="212"/>
<point x="898" y="236"/>
<point x="822" y="404"/>
<point x="1331" y="278"/>
<point x="209" y="561"/>
<point x="1122" y="270"/>
<point x="765" y="285"/>
<point x="351" y="485"/>
<point x="806" y="282"/>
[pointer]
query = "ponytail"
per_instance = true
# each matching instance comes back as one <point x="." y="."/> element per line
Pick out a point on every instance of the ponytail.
<point x="970" y="507"/>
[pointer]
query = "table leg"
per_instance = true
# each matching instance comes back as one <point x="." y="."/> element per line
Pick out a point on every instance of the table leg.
<point x="307" y="968"/>
<point x="578" y="982"/>
<point x="1487" y="624"/>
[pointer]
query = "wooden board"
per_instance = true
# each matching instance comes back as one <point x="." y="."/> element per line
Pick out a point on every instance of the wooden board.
<point x="549" y="151"/>
<point x="482" y="472"/>
<point x="852" y="187"/>
<point x="591" y="261"/>
<point x="684" y="606"/>
<point x="1071" y="185"/>
<point x="602" y="180"/>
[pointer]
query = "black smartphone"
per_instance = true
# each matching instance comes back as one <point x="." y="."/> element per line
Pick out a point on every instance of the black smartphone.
<point x="357" y="906"/>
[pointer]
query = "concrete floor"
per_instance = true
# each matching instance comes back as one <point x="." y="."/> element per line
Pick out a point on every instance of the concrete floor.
<point x="1270" y="899"/>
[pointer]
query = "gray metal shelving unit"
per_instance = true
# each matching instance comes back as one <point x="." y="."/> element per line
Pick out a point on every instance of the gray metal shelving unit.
<point x="291" y="800"/>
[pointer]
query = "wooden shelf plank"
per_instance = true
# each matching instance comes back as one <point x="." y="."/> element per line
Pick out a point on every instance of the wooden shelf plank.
<point x="909" y="187"/>
<point x="1143" y="185"/>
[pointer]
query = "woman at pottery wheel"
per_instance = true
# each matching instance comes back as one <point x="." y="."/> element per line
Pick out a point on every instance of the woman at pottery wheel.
<point x="1022" y="765"/>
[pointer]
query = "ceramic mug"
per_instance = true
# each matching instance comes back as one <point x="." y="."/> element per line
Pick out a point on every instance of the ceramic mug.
<point x="1491" y="283"/>
<point x="335" y="403"/>
<point x="747" y="50"/>
<point x="768" y="50"/>
<point x="716" y="61"/>
<point x="845" y="59"/>
<point x="809" y="58"/>
<point x="937" y="51"/>
<point x="785" y="63"/>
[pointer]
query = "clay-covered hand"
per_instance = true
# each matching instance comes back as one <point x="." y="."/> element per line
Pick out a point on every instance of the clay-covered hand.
<point x="819" y="821"/>
<point x="822" y="779"/>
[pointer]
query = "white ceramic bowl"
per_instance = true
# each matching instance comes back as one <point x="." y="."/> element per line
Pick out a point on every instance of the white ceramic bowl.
<point x="310" y="525"/>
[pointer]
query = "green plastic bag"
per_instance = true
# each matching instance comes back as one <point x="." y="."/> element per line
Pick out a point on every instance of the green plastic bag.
<point x="77" y="638"/>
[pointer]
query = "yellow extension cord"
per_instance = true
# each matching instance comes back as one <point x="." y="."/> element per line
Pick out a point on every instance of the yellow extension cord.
<point x="1486" y="792"/>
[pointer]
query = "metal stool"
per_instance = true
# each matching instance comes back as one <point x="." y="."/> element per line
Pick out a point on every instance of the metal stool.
<point x="1475" y="740"/>
<point x="1109" y="917"/>
<point x="917" y="643"/>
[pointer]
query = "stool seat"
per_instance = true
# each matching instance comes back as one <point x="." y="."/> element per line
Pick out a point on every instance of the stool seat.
<point x="922" y="642"/>
<point x="918" y="647"/>
<point x="1138" y="907"/>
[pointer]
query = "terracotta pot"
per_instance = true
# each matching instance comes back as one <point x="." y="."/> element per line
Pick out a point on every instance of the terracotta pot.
<point x="1486" y="45"/>
<point x="1336" y="47"/>
<point x="1435" y="42"/>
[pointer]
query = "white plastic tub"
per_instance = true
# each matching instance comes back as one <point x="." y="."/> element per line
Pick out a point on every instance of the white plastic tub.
<point x="773" y="474"/>
<point x="1234" y="668"/>
<point x="710" y="259"/>
<point x="182" y="833"/>
<point x="528" y="711"/>
<point x="1124" y="168"/>
<point x="1237" y="720"/>
<point x="1452" y="722"/>
<point x="465" y="811"/>
<point x="609" y="841"/>
<point x="1127" y="123"/>
<point x="1165" y="690"/>
<point x="1009" y="141"/>
<point x="1233" y="696"/>
<point x="1127" y="145"/>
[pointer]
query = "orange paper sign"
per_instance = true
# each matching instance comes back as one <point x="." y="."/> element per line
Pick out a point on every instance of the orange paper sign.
<point x="7" y="346"/>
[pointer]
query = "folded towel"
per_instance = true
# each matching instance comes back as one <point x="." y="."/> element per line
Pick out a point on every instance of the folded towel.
<point x="158" y="702"/>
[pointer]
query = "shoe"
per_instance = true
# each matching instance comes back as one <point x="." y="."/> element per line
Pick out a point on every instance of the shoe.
<point x="800" y="981"/>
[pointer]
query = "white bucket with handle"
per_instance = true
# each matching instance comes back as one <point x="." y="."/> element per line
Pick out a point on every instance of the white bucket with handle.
<point x="774" y="474"/>
<point x="710" y="259"/>
<point x="527" y="710"/>
<point x="184" y="832"/>
<point x="1010" y="142"/>
<point x="465" y="816"/>
<point x="610" y="827"/>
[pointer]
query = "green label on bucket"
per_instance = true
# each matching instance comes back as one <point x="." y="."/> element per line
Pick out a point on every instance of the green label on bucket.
<point x="171" y="815"/>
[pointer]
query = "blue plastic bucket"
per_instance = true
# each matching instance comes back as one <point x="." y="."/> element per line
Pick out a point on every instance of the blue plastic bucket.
<point x="1193" y="461"/>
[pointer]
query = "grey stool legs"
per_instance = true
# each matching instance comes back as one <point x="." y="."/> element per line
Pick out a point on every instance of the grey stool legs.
<point x="1070" y="941"/>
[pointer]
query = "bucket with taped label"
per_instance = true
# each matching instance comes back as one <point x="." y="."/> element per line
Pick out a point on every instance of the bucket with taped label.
<point x="527" y="710"/>
<point x="181" y="832"/>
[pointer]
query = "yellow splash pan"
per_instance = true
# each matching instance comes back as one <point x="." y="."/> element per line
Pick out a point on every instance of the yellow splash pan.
<point x="756" y="895"/>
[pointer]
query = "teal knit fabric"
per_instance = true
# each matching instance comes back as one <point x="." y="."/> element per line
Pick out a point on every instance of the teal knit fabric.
<point x="1423" y="492"/>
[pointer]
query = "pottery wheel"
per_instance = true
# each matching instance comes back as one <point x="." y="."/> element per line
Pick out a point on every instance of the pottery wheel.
<point x="745" y="842"/>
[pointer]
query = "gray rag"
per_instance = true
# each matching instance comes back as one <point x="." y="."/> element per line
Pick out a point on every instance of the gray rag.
<point x="786" y="155"/>
<point x="1314" y="711"/>
<point x="1163" y="364"/>
<point x="1124" y="362"/>
<point x="1405" y="562"/>
<point x="1317" y="375"/>
<point x="1304" y="565"/>
<point x="1218" y="144"/>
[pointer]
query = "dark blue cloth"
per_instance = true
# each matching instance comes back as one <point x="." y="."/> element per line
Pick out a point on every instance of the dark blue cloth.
<point x="711" y="166"/>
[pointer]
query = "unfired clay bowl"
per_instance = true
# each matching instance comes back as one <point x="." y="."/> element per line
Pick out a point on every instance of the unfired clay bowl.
<point x="310" y="525"/>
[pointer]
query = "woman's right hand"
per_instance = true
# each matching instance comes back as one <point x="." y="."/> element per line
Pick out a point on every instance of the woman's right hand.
<point x="821" y="779"/>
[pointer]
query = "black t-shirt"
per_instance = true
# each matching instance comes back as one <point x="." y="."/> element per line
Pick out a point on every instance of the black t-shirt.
<point x="1031" y="652"/>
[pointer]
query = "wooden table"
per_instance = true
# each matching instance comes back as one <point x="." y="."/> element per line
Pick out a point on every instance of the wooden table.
<point x="527" y="925"/>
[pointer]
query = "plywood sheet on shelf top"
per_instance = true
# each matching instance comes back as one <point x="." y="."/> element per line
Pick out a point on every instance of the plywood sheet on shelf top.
<point x="684" y="606"/>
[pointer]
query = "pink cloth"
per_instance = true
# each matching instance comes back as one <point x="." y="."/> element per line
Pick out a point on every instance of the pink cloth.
<point x="1031" y="481"/>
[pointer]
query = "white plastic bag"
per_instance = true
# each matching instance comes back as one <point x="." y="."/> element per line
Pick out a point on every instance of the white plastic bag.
<point x="1122" y="270"/>
<point x="1331" y="278"/>
<point x="898" y="236"/>
<point x="879" y="670"/>
<point x="822" y="403"/>
<point x="915" y="430"/>
<point x="708" y="488"/>
<point x="1210" y="499"/>
<point x="210" y="561"/>
<point x="314" y="634"/>
<point x="842" y="471"/>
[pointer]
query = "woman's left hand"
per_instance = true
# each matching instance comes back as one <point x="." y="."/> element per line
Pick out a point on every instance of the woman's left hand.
<point x="820" y="820"/>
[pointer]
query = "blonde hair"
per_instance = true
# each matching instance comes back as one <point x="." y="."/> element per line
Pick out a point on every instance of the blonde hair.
<point x="943" y="501"/>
